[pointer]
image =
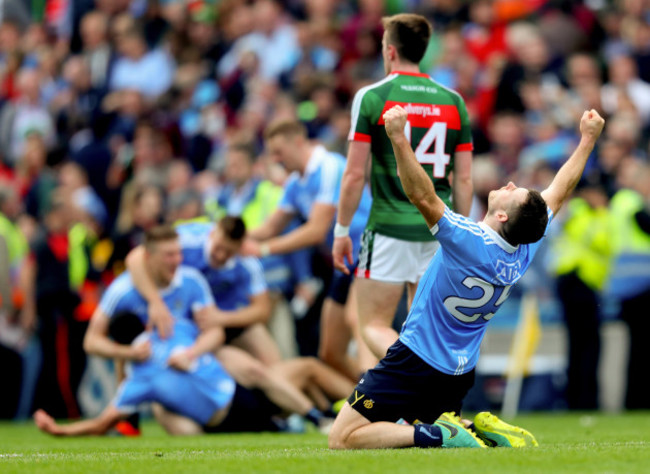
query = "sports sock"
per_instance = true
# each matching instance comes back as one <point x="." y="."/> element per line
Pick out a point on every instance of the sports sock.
<point x="427" y="436"/>
<point x="314" y="416"/>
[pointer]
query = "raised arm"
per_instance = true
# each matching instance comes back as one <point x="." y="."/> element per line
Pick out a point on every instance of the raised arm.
<point x="462" y="189"/>
<point x="565" y="181"/>
<point x="417" y="185"/>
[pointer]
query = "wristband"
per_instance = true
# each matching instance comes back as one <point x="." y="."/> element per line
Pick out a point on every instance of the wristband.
<point x="265" y="249"/>
<point x="341" y="230"/>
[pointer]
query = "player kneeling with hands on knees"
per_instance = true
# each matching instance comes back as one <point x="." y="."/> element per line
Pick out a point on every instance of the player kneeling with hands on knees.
<point x="429" y="370"/>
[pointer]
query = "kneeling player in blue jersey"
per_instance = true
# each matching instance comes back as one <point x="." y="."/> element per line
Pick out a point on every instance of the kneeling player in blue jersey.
<point x="428" y="371"/>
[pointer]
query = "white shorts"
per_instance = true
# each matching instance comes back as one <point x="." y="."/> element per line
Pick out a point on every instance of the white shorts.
<point x="393" y="260"/>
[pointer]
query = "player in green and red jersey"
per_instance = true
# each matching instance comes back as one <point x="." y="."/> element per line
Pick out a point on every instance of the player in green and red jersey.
<point x="397" y="245"/>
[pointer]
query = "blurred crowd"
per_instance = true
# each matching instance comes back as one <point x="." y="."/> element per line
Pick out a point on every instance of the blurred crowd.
<point x="116" y="115"/>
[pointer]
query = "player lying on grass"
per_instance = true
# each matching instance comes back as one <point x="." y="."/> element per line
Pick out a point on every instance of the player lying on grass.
<point x="428" y="371"/>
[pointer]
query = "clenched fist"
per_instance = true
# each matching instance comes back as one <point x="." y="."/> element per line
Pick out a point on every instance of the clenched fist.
<point x="395" y="121"/>
<point x="591" y="124"/>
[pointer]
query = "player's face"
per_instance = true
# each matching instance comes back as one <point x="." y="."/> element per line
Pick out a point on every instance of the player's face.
<point x="284" y="150"/>
<point x="507" y="197"/>
<point x="222" y="248"/>
<point x="164" y="259"/>
<point x="238" y="168"/>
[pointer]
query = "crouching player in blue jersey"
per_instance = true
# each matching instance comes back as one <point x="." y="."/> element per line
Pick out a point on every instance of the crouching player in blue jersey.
<point x="191" y="390"/>
<point x="428" y="371"/>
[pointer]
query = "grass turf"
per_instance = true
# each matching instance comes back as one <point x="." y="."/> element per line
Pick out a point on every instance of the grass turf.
<point x="583" y="443"/>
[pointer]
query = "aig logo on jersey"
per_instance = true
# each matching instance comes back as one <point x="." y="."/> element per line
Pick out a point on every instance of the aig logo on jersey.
<point x="508" y="272"/>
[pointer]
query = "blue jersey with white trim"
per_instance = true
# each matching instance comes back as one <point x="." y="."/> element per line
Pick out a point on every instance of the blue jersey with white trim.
<point x="187" y="293"/>
<point x="199" y="393"/>
<point x="466" y="282"/>
<point x="232" y="285"/>
<point x="321" y="184"/>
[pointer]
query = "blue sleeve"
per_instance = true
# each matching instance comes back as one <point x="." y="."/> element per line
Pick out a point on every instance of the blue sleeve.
<point x="256" y="281"/>
<point x="116" y="296"/>
<point x="329" y="186"/>
<point x="130" y="394"/>
<point x="287" y="202"/>
<point x="201" y="296"/>
<point x="461" y="239"/>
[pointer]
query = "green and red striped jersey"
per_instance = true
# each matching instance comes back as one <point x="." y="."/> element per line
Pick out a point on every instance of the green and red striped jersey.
<point x="438" y="127"/>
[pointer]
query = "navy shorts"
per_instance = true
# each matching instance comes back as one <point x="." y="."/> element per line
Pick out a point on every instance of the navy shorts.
<point x="250" y="410"/>
<point x="233" y="333"/>
<point x="402" y="385"/>
<point x="340" y="286"/>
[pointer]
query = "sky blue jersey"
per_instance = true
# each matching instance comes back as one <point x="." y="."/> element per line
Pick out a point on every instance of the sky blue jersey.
<point x="197" y="394"/>
<point x="466" y="282"/>
<point x="321" y="184"/>
<point x="233" y="284"/>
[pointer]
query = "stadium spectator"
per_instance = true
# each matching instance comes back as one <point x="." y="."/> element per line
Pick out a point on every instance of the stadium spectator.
<point x="630" y="275"/>
<point x="25" y="116"/>
<point x="136" y="68"/>
<point x="97" y="51"/>
<point x="51" y="280"/>
<point x="582" y="252"/>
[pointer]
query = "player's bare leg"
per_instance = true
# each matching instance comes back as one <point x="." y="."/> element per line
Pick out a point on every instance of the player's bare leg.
<point x="251" y="373"/>
<point x="306" y="371"/>
<point x="173" y="423"/>
<point x="351" y="430"/>
<point x="257" y="341"/>
<point x="364" y="358"/>
<point x="335" y="335"/>
<point x="411" y="288"/>
<point x="94" y="426"/>
<point x="377" y="305"/>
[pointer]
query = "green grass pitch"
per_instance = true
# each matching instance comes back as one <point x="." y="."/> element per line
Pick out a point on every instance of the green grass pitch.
<point x="575" y="443"/>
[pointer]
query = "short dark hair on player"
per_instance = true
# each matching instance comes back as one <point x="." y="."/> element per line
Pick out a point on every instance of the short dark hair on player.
<point x="124" y="327"/>
<point x="526" y="223"/>
<point x="233" y="227"/>
<point x="409" y="33"/>
<point x="159" y="233"/>
<point x="286" y="128"/>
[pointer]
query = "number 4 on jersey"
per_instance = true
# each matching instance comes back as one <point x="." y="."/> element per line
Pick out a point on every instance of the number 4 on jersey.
<point x="436" y="135"/>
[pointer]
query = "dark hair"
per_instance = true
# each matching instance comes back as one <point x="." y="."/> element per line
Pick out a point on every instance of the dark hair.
<point x="159" y="233"/>
<point x="233" y="227"/>
<point x="527" y="222"/>
<point x="287" y="128"/>
<point x="409" y="33"/>
<point x="124" y="327"/>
